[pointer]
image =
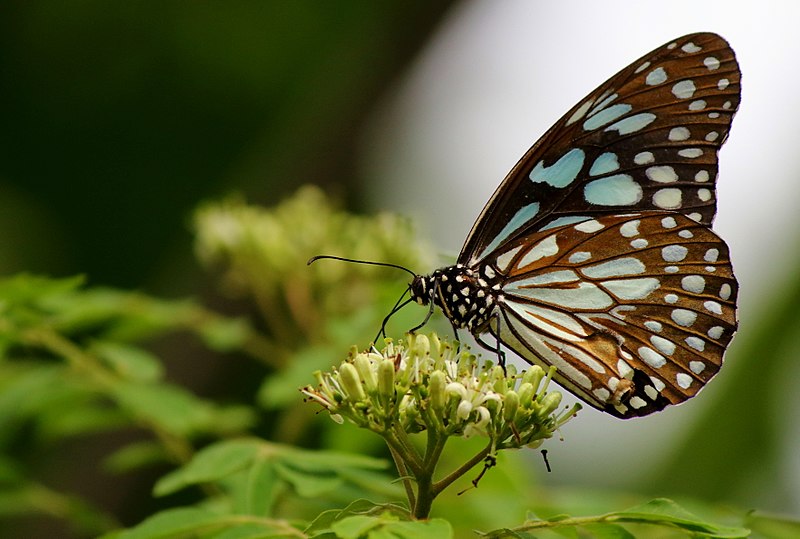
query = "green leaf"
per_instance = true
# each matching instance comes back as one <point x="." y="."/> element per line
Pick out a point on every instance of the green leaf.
<point x="224" y="334"/>
<point x="664" y="511"/>
<point x="386" y="526"/>
<point x="25" y="288"/>
<point x="135" y="456"/>
<point x="177" y="410"/>
<point x="210" y="464"/>
<point x="308" y="485"/>
<point x="260" y="489"/>
<point x="604" y="530"/>
<point x="81" y="416"/>
<point x="172" y="524"/>
<point x="128" y="361"/>
<point x="355" y="527"/>
<point x="199" y="523"/>
<point x="325" y="519"/>
<point x="773" y="526"/>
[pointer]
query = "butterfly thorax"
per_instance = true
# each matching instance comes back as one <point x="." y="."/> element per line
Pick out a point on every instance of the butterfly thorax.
<point x="467" y="296"/>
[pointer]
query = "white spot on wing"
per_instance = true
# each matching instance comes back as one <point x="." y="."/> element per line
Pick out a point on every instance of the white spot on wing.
<point x="632" y="289"/>
<point x="691" y="48"/>
<point x="679" y="133"/>
<point x="580" y="113"/>
<point x="693" y="283"/>
<point x="725" y="291"/>
<point x="644" y="158"/>
<point x="668" y="199"/>
<point x="683" y="89"/>
<point x="665" y="346"/>
<point x="683" y="379"/>
<point x="690" y="153"/>
<point x="585" y="296"/>
<point x="715" y="332"/>
<point x="579" y="257"/>
<point x="656" y="76"/>
<point x="697" y="366"/>
<point x="674" y="253"/>
<point x="668" y="222"/>
<point x="619" y="267"/>
<point x="630" y="229"/>
<point x="711" y="63"/>
<point x="661" y="174"/>
<point x="696" y="343"/>
<point x="653" y="325"/>
<point x="546" y="247"/>
<point x="683" y="317"/>
<point x="505" y="259"/>
<point x="651" y="357"/>
<point x="590" y="227"/>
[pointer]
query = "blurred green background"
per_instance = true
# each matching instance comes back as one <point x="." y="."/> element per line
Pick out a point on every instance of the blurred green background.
<point x="120" y="117"/>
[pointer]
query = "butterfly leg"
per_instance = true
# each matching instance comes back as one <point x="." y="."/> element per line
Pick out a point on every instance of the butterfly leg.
<point x="497" y="347"/>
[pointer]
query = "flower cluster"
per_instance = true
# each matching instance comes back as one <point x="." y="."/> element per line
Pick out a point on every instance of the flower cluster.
<point x="424" y="383"/>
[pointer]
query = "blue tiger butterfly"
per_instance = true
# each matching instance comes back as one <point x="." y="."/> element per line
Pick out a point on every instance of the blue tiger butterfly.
<point x="596" y="255"/>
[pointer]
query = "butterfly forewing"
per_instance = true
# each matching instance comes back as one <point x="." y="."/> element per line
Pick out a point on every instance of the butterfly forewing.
<point x="645" y="140"/>
<point x="635" y="311"/>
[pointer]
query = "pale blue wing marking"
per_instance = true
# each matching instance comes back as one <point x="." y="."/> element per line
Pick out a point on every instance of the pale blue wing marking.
<point x="562" y="172"/>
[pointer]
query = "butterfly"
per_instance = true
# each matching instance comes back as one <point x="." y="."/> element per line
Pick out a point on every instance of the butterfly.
<point x="596" y="254"/>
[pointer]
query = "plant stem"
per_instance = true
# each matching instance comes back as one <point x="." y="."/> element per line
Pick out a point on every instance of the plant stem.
<point x="439" y="486"/>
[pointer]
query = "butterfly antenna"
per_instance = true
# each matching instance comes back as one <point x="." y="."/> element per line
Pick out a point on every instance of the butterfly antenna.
<point x="355" y="261"/>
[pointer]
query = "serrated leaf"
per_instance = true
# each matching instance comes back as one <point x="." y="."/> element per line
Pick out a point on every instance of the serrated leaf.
<point x="128" y="361"/>
<point x="210" y="464"/>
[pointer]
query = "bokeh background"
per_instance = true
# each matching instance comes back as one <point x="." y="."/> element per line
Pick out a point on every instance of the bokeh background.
<point x="119" y="118"/>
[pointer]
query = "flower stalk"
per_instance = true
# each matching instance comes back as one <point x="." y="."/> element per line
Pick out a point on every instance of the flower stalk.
<point x="424" y="383"/>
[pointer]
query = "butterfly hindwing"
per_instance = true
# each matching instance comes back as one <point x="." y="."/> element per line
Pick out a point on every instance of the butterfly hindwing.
<point x="647" y="139"/>
<point x="643" y="298"/>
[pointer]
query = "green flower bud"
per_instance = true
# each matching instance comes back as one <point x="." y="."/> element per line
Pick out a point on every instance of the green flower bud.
<point x="421" y="346"/>
<point x="436" y="386"/>
<point x="510" y="405"/>
<point x="348" y="376"/>
<point x="386" y="378"/>
<point x="533" y="376"/>
<point x="365" y="369"/>
<point x="526" y="392"/>
<point x="463" y="410"/>
<point x="549" y="403"/>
